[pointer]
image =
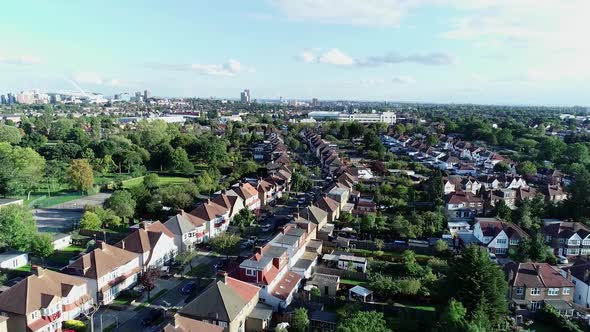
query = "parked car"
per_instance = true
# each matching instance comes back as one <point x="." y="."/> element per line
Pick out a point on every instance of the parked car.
<point x="493" y="258"/>
<point x="186" y="289"/>
<point x="153" y="316"/>
<point x="562" y="259"/>
<point x="266" y="227"/>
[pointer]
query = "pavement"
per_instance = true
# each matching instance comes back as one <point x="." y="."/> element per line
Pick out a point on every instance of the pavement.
<point x="130" y="320"/>
<point x="62" y="217"/>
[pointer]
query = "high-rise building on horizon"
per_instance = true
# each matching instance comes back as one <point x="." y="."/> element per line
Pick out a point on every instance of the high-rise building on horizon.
<point x="147" y="94"/>
<point x="245" y="96"/>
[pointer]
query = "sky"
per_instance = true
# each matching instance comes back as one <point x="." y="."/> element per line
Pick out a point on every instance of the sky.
<point x="446" y="51"/>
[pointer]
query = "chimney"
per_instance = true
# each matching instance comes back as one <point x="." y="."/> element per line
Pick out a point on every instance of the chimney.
<point x="174" y="321"/>
<point x="258" y="250"/>
<point x="222" y="276"/>
<point x="510" y="276"/>
<point x="123" y="244"/>
<point x="143" y="225"/>
<point x="37" y="270"/>
<point x="101" y="244"/>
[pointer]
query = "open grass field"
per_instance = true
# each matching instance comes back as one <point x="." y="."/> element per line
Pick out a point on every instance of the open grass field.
<point x="164" y="181"/>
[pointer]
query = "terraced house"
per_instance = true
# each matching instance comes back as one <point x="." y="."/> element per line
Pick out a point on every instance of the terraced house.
<point x="43" y="300"/>
<point x="498" y="236"/>
<point x="152" y="242"/>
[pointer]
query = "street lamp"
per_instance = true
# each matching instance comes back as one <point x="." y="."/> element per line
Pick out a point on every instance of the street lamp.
<point x="89" y="312"/>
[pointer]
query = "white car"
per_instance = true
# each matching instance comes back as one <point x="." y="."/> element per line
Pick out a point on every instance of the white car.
<point x="562" y="259"/>
<point x="493" y="258"/>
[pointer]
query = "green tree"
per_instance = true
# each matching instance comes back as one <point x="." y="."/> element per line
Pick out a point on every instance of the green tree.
<point x="185" y="258"/>
<point x="225" y="243"/>
<point x="300" y="321"/>
<point x="474" y="280"/>
<point x="122" y="203"/>
<point x="148" y="279"/>
<point x="17" y="227"/>
<point x="181" y="163"/>
<point x="501" y="167"/>
<point x="526" y="168"/>
<point x="80" y="175"/>
<point x="151" y="181"/>
<point x="364" y="321"/>
<point x="244" y="218"/>
<point x="9" y="134"/>
<point x="90" y="221"/>
<point x="432" y="140"/>
<point x="29" y="167"/>
<point x="503" y="211"/>
<point x="42" y="245"/>
<point x="76" y="325"/>
<point x="441" y="246"/>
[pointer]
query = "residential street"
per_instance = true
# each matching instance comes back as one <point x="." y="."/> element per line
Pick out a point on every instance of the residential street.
<point x="130" y="321"/>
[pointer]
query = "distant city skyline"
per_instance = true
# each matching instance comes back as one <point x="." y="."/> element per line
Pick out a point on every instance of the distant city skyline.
<point x="519" y="52"/>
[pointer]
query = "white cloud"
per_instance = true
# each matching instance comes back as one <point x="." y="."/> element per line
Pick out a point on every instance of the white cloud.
<point x="335" y="57"/>
<point x="94" y="78"/>
<point x="20" y="60"/>
<point x="230" y="68"/>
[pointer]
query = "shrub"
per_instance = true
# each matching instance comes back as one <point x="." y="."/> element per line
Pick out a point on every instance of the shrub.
<point x="75" y="325"/>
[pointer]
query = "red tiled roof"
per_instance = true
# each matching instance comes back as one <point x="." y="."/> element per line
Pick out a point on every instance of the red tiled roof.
<point x="286" y="286"/>
<point x="540" y="275"/>
<point x="245" y="290"/>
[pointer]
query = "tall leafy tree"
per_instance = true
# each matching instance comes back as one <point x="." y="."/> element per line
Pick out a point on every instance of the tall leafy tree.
<point x="9" y="134"/>
<point x="17" y="227"/>
<point x="478" y="283"/>
<point x="300" y="321"/>
<point x="122" y="203"/>
<point x="364" y="321"/>
<point x="80" y="175"/>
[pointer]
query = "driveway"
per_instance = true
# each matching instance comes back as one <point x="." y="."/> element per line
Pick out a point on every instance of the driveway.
<point x="62" y="217"/>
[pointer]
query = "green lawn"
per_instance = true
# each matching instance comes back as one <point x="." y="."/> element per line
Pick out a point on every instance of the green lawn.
<point x="353" y="282"/>
<point x="164" y="181"/>
<point x="419" y="307"/>
<point x="63" y="256"/>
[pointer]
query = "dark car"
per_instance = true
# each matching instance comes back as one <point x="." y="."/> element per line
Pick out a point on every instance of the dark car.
<point x="186" y="289"/>
<point x="153" y="316"/>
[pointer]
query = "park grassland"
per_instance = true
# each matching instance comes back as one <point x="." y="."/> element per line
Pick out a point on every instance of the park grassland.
<point x="163" y="180"/>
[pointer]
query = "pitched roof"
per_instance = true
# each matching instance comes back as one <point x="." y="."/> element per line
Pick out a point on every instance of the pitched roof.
<point x="540" y="275"/>
<point x="327" y="204"/>
<point x="185" y="324"/>
<point x="566" y="229"/>
<point x="221" y="301"/>
<point x="179" y="225"/>
<point x="35" y="292"/>
<point x="102" y="260"/>
<point x="208" y="211"/>
<point x="314" y="214"/>
<point x="245" y="190"/>
<point x="492" y="227"/>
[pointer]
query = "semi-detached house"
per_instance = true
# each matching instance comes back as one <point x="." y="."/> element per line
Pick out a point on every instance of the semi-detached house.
<point x="247" y="193"/>
<point x="108" y="270"/>
<point x="498" y="236"/>
<point x="43" y="300"/>
<point x="152" y="242"/>
<point x="567" y="238"/>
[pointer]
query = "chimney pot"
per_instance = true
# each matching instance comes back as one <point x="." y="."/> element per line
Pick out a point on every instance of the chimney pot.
<point x="222" y="275"/>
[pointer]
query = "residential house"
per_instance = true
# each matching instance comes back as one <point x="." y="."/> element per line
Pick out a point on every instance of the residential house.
<point x="267" y="192"/>
<point x="330" y="206"/>
<point x="553" y="193"/>
<point x="457" y="226"/>
<point x="226" y="303"/>
<point x="579" y="274"/>
<point x="498" y="236"/>
<point x="315" y="214"/>
<point x="533" y="285"/>
<point x="43" y="300"/>
<point x="153" y="243"/>
<point x="247" y="193"/>
<point x="462" y="206"/>
<point x="185" y="324"/>
<point x="365" y="206"/>
<point x="567" y="238"/>
<point x="493" y="197"/>
<point x="354" y="263"/>
<point x="234" y="204"/>
<point x="186" y="234"/>
<point x="340" y="195"/>
<point x="215" y="218"/>
<point x="108" y="270"/>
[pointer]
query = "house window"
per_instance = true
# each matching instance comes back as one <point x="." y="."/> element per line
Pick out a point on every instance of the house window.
<point x="586" y="242"/>
<point x="561" y="241"/>
<point x="500" y="251"/>
<point x="514" y="242"/>
<point x="573" y="242"/>
<point x="553" y="292"/>
<point x="501" y="241"/>
<point x="535" y="291"/>
<point x="250" y="272"/>
<point x="566" y="291"/>
<point x="519" y="290"/>
<point x="535" y="305"/>
<point x="573" y="252"/>
<point x="222" y="324"/>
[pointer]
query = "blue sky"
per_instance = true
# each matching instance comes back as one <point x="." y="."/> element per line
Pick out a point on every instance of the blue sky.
<point x="477" y="51"/>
